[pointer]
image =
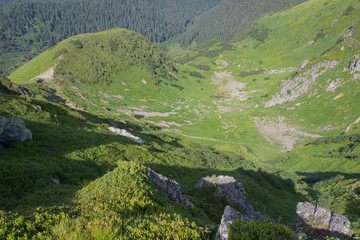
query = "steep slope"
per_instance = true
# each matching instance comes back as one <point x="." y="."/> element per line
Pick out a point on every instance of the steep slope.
<point x="77" y="179"/>
<point x="230" y="19"/>
<point x="293" y="79"/>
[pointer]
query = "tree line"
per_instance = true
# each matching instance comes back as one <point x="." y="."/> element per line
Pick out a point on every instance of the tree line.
<point x="28" y="28"/>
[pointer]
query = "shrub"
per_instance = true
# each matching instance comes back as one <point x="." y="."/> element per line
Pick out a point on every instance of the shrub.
<point x="258" y="230"/>
<point x="77" y="44"/>
<point x="196" y="74"/>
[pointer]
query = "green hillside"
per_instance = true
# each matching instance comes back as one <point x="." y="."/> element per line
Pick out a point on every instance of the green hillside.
<point x="31" y="27"/>
<point x="277" y="109"/>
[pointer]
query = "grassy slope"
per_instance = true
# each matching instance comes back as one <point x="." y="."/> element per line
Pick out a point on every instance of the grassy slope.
<point x="76" y="148"/>
<point x="200" y="100"/>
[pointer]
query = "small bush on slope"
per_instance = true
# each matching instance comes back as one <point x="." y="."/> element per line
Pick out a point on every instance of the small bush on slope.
<point x="259" y="230"/>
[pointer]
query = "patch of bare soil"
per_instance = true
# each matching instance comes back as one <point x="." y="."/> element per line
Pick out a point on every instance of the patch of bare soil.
<point x="46" y="75"/>
<point x="227" y="85"/>
<point x="277" y="131"/>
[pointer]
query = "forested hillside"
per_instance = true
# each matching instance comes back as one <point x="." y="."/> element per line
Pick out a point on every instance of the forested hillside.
<point x="4" y="3"/>
<point x="29" y="28"/>
<point x="230" y="19"/>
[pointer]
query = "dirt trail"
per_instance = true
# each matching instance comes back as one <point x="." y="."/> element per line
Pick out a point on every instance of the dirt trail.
<point x="180" y="133"/>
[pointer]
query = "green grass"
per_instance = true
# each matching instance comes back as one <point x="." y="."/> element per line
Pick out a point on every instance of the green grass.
<point x="274" y="181"/>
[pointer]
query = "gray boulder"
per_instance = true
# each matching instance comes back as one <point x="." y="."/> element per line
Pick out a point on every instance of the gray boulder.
<point x="13" y="129"/>
<point x="340" y="224"/>
<point x="319" y="217"/>
<point x="227" y="218"/>
<point x="355" y="64"/>
<point x="169" y="187"/>
<point x="227" y="186"/>
<point x="349" y="33"/>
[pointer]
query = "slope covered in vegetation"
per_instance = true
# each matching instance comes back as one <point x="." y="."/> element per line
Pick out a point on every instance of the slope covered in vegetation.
<point x="28" y="28"/>
<point x="277" y="110"/>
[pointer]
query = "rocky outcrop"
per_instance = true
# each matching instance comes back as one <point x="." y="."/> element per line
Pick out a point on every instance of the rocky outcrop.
<point x="354" y="64"/>
<point x="13" y="129"/>
<point x="169" y="187"/>
<point x="349" y="33"/>
<point x="318" y="217"/>
<point x="302" y="65"/>
<point x="335" y="84"/>
<point x="228" y="216"/>
<point x="123" y="132"/>
<point x="227" y="186"/>
<point x="299" y="85"/>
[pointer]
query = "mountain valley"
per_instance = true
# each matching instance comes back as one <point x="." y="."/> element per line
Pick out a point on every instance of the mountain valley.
<point x="276" y="106"/>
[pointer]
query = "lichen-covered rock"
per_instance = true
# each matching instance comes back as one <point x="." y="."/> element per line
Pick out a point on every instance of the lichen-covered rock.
<point x="169" y="187"/>
<point x="228" y="187"/>
<point x="322" y="217"/>
<point x="228" y="216"/>
<point x="319" y="217"/>
<point x="13" y="129"/>
<point x="340" y="224"/>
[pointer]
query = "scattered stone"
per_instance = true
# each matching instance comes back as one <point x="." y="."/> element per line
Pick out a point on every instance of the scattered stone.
<point x="123" y="132"/>
<point x="335" y="84"/>
<point x="327" y="128"/>
<point x="229" y="188"/>
<point x="104" y="101"/>
<point x="169" y="187"/>
<point x="122" y="122"/>
<point x="349" y="33"/>
<point x="310" y="43"/>
<point x="303" y="64"/>
<point x="319" y="217"/>
<point x="339" y="96"/>
<point x="13" y="129"/>
<point x="55" y="180"/>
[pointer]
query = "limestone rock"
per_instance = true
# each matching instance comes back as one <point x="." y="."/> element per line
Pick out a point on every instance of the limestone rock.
<point x="322" y="216"/>
<point x="319" y="217"/>
<point x="299" y="85"/>
<point x="340" y="223"/>
<point x="228" y="187"/>
<point x="303" y="64"/>
<point x="349" y="33"/>
<point x="355" y="64"/>
<point x="13" y="129"/>
<point x="228" y="216"/>
<point x="123" y="132"/>
<point x="169" y="187"/>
